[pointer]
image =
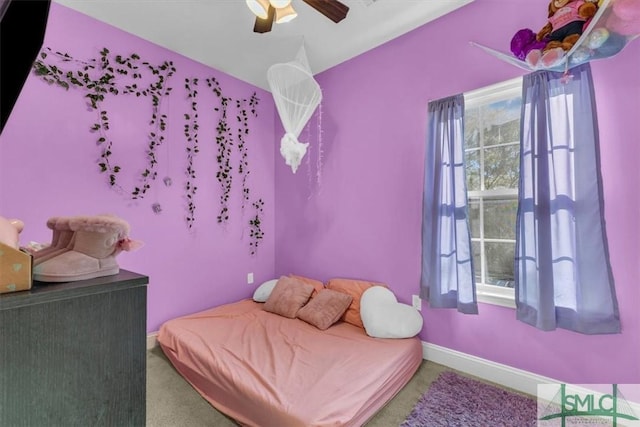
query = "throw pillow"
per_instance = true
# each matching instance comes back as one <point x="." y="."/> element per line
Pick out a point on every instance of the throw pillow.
<point x="317" y="284"/>
<point x="384" y="317"/>
<point x="355" y="288"/>
<point x="263" y="291"/>
<point x="287" y="297"/>
<point x="325" y="309"/>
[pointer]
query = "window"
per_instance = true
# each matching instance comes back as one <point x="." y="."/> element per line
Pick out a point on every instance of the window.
<point x="492" y="151"/>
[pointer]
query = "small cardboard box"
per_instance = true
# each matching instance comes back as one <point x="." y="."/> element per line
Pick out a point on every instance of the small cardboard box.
<point x="15" y="269"/>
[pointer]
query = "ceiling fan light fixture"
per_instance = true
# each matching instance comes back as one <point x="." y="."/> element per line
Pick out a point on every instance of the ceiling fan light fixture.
<point x="285" y="14"/>
<point x="260" y="8"/>
<point x="278" y="4"/>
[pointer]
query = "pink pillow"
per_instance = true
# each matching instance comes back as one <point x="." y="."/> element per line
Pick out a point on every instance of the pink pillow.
<point x="317" y="284"/>
<point x="355" y="288"/>
<point x="288" y="296"/>
<point x="325" y="308"/>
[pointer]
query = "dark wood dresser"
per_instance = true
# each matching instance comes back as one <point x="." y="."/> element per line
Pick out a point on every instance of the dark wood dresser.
<point x="74" y="354"/>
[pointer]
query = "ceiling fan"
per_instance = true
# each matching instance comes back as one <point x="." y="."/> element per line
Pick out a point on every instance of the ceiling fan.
<point x="269" y="11"/>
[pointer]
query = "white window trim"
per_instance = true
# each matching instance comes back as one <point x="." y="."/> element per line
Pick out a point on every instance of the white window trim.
<point x="487" y="94"/>
<point x="490" y="294"/>
<point x="496" y="295"/>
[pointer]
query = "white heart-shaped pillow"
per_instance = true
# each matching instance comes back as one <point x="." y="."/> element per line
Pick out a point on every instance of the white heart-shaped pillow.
<point x="261" y="294"/>
<point x="384" y="317"/>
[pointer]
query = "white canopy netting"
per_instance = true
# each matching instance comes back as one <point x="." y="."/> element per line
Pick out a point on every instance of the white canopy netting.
<point x="296" y="95"/>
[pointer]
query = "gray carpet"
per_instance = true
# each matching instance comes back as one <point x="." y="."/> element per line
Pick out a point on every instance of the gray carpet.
<point x="172" y="402"/>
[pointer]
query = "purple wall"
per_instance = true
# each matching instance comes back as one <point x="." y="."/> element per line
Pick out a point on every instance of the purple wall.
<point x="364" y="219"/>
<point x="360" y="219"/>
<point x="48" y="168"/>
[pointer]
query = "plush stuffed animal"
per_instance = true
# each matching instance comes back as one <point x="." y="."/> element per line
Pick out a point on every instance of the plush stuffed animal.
<point x="566" y="22"/>
<point x="567" y="19"/>
<point x="9" y="231"/>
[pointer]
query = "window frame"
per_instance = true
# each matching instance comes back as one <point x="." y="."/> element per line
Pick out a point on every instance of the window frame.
<point x="492" y="294"/>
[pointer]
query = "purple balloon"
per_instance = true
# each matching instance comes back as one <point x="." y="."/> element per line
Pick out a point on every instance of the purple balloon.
<point x="523" y="42"/>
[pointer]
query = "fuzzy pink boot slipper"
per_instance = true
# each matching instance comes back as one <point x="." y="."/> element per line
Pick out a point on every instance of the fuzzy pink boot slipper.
<point x="97" y="240"/>
<point x="61" y="240"/>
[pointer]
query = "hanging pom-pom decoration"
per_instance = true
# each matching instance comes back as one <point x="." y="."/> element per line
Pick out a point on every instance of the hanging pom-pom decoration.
<point x="292" y="150"/>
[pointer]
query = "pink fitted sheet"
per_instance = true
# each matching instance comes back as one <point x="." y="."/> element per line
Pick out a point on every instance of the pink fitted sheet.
<point x="262" y="369"/>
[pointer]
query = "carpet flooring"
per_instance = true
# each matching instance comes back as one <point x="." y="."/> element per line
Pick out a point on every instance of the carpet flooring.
<point x="172" y="402"/>
<point x="456" y="400"/>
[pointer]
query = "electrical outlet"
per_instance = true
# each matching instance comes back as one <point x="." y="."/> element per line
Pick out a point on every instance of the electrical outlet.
<point x="250" y="278"/>
<point x="417" y="302"/>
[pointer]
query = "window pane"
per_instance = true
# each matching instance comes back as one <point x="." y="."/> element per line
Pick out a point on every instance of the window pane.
<point x="500" y="219"/>
<point x="471" y="128"/>
<point x="474" y="218"/>
<point x="477" y="261"/>
<point x="472" y="164"/>
<point x="492" y="150"/>
<point x="501" y="122"/>
<point x="501" y="166"/>
<point x="499" y="259"/>
<point x="503" y="133"/>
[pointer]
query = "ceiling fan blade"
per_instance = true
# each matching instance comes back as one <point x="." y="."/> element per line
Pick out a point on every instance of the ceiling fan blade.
<point x="264" y="25"/>
<point x="332" y="9"/>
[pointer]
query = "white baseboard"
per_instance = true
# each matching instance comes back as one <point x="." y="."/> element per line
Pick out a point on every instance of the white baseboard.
<point x="517" y="379"/>
<point x="152" y="340"/>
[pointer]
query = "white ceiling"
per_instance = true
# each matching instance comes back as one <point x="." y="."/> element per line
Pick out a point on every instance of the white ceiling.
<point x="219" y="33"/>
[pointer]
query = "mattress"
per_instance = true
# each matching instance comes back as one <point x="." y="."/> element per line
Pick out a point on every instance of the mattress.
<point x="262" y="369"/>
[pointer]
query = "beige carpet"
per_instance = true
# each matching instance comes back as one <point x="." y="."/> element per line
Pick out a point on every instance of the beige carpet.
<point x="172" y="402"/>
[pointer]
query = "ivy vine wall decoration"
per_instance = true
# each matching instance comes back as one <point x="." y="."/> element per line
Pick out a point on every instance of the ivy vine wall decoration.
<point x="191" y="133"/>
<point x="243" y="130"/>
<point x="111" y="75"/>
<point x="225" y="142"/>
<point x="256" y="234"/>
<point x="114" y="75"/>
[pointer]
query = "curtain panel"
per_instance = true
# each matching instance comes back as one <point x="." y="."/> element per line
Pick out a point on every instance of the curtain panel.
<point x="447" y="279"/>
<point x="562" y="270"/>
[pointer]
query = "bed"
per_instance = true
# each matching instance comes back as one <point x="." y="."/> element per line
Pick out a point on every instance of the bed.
<point x="264" y="369"/>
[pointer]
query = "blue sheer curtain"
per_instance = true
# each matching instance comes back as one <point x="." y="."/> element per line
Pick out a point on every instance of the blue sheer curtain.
<point x="447" y="271"/>
<point x="563" y="275"/>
